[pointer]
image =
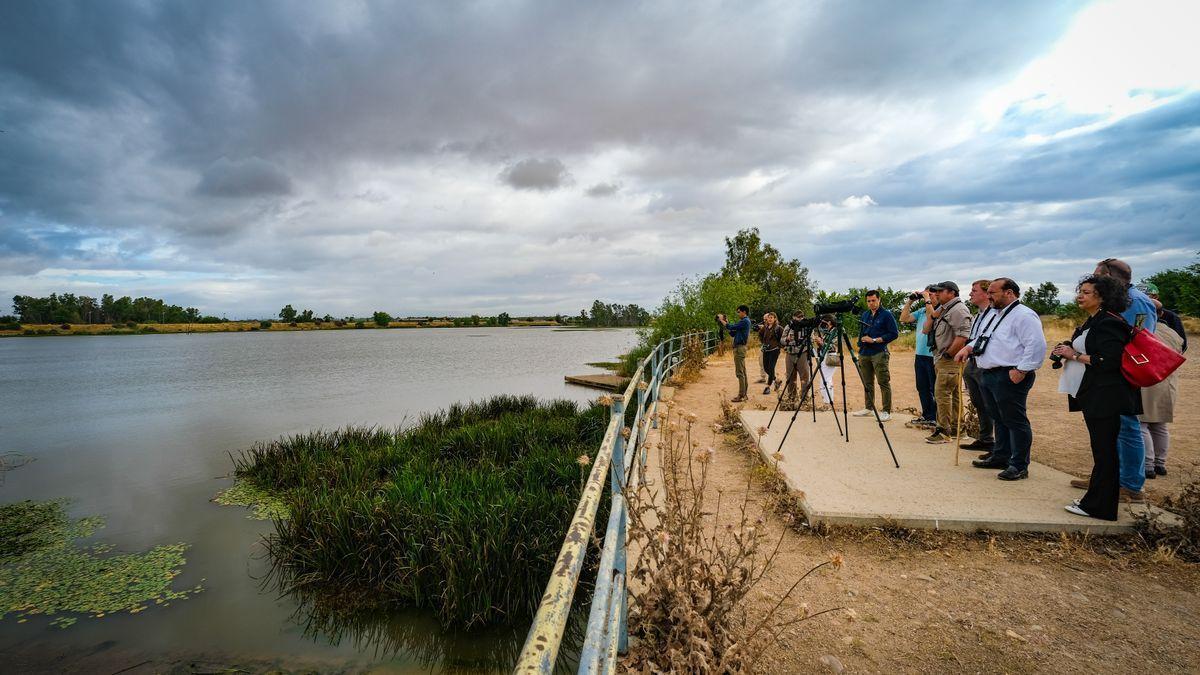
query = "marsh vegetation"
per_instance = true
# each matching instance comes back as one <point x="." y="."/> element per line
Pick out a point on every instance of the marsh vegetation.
<point x="461" y="514"/>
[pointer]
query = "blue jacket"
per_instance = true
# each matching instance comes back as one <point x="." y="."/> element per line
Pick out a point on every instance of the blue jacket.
<point x="881" y="325"/>
<point x="1141" y="308"/>
<point x="740" y="331"/>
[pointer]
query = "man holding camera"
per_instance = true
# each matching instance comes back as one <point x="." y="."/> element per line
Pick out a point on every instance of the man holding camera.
<point x="949" y="326"/>
<point x="1008" y="352"/>
<point x="795" y="353"/>
<point x="740" y="332"/>
<point x="923" y="364"/>
<point x="878" y="329"/>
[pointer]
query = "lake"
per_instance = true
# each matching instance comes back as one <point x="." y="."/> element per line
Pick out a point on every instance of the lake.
<point x="138" y="430"/>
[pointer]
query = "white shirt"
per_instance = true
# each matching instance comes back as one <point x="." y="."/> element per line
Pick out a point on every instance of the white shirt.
<point x="981" y="322"/>
<point x="1072" y="374"/>
<point x="1016" y="341"/>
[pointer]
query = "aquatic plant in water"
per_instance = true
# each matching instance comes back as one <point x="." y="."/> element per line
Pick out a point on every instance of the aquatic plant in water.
<point x="463" y="513"/>
<point x="42" y="572"/>
<point x="263" y="503"/>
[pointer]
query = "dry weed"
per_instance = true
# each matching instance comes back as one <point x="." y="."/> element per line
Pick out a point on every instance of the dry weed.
<point x="694" y="573"/>
<point x="1169" y="540"/>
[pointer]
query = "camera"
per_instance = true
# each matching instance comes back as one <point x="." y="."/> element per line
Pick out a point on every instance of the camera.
<point x="802" y="324"/>
<point x="1057" y="361"/>
<point x="839" y="307"/>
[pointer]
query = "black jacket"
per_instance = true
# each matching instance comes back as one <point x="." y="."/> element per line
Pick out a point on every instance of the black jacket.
<point x="1104" y="391"/>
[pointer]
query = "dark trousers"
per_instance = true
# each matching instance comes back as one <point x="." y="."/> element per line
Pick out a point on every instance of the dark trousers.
<point x="1101" y="499"/>
<point x="925" y="380"/>
<point x="769" y="358"/>
<point x="973" y="379"/>
<point x="1006" y="401"/>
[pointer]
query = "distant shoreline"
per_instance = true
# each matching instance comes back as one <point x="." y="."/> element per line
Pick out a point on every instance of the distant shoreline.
<point x="56" y="330"/>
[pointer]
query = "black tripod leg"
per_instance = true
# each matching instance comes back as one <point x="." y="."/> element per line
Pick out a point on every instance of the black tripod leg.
<point x="841" y="336"/>
<point x="878" y="420"/>
<point x="832" y="407"/>
<point x="777" y="402"/>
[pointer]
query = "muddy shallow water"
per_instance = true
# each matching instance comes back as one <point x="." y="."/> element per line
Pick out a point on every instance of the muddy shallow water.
<point x="138" y="429"/>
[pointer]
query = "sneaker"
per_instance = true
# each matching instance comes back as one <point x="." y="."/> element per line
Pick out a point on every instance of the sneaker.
<point x="976" y="445"/>
<point x="737" y="399"/>
<point x="1009" y="474"/>
<point x="884" y="416"/>
<point x="776" y="385"/>
<point x="767" y="389"/>
<point x="1081" y="483"/>
<point x="1160" y="470"/>
<point x="1150" y="475"/>
<point x="865" y="412"/>
<point x="1130" y="497"/>
<point x="985" y="457"/>
<point x="1075" y="508"/>
<point x="938" y="438"/>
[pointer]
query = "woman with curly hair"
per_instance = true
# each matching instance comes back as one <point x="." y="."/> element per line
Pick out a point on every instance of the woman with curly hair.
<point x="1094" y="385"/>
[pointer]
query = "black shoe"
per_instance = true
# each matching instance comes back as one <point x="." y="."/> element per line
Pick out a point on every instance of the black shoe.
<point x="1009" y="474"/>
<point x="1151" y="475"/>
<point x="989" y="464"/>
<point x="767" y="389"/>
<point x="1160" y="470"/>
<point x="985" y="456"/>
<point x="976" y="445"/>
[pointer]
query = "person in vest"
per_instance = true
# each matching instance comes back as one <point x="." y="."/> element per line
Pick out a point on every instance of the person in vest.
<point x="948" y="326"/>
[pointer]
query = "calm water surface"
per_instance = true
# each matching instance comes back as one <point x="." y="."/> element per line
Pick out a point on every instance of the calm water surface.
<point x="138" y="430"/>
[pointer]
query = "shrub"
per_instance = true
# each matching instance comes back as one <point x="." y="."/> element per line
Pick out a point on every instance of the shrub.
<point x="359" y="324"/>
<point x="1181" y="539"/>
<point x="29" y="331"/>
<point x="463" y="514"/>
<point x="293" y="324"/>
<point x="265" y="325"/>
<point x="149" y="329"/>
<point x="131" y="324"/>
<point x="10" y="326"/>
<point x="65" y="326"/>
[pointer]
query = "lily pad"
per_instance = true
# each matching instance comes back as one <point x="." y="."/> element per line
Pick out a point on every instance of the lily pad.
<point x="264" y="504"/>
<point x="42" y="571"/>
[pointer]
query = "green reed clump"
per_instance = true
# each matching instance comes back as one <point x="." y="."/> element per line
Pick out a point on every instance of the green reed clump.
<point x="463" y="513"/>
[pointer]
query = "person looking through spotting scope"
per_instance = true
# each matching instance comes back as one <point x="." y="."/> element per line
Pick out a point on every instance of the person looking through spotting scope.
<point x="1008" y="353"/>
<point x="878" y="328"/>
<point x="740" y="332"/>
<point x="923" y="363"/>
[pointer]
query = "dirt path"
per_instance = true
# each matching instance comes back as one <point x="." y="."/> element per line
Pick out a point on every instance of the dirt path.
<point x="937" y="602"/>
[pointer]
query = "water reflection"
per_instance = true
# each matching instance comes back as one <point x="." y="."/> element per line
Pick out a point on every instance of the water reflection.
<point x="419" y="638"/>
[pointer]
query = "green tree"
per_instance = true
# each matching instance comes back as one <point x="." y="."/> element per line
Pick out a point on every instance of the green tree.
<point x="780" y="285"/>
<point x="288" y="313"/>
<point x="1043" y="299"/>
<point x="382" y="319"/>
<point x="1178" y="289"/>
<point x="503" y="319"/>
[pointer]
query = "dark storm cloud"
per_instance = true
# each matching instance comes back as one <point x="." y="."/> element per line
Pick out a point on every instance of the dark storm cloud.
<point x="603" y="189"/>
<point x="1157" y="147"/>
<point x="351" y="140"/>
<point x="248" y="177"/>
<point x="536" y="174"/>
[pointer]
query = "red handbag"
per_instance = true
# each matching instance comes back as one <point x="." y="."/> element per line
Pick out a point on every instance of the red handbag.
<point x="1146" y="361"/>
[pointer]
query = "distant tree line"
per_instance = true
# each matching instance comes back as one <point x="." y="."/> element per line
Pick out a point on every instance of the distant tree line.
<point x="613" y="315"/>
<point x="71" y="308"/>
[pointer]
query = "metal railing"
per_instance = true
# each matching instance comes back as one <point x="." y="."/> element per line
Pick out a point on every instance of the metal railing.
<point x="607" y="629"/>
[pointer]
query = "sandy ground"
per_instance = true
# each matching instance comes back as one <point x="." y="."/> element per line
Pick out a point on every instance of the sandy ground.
<point x="939" y="602"/>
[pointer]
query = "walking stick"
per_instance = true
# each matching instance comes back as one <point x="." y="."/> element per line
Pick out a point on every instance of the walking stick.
<point x="958" y="430"/>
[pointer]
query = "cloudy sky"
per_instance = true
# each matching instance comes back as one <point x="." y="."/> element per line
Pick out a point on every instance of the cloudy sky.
<point x="530" y="157"/>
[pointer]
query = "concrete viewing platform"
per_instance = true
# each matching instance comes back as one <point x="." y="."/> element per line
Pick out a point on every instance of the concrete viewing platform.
<point x="856" y="483"/>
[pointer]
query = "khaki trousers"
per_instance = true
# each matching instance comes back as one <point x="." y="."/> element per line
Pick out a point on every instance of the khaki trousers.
<point x="739" y="368"/>
<point x="948" y="393"/>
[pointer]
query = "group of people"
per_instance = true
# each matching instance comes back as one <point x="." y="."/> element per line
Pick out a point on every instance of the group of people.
<point x="996" y="350"/>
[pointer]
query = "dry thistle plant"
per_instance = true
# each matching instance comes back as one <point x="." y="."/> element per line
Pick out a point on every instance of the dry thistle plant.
<point x="693" y="572"/>
<point x="692" y="361"/>
<point x="729" y="420"/>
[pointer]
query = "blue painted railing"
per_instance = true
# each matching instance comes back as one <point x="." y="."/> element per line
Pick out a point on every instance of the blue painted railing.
<point x="607" y="633"/>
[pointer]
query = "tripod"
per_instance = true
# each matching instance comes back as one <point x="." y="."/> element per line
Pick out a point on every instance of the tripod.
<point x="814" y="362"/>
<point x="838" y="333"/>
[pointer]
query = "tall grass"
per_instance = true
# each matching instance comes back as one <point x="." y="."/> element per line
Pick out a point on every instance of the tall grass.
<point x="462" y="514"/>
